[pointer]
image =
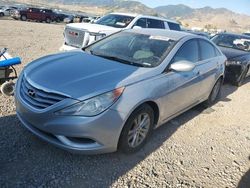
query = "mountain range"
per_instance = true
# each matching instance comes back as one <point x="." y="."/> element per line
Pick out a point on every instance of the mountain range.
<point x="189" y="17"/>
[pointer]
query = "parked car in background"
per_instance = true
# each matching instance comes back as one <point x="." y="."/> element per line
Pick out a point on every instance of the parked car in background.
<point x="5" y="11"/>
<point x="69" y="19"/>
<point x="113" y="93"/>
<point x="82" y="34"/>
<point x="79" y="18"/>
<point x="37" y="14"/>
<point x="60" y="16"/>
<point x="237" y="50"/>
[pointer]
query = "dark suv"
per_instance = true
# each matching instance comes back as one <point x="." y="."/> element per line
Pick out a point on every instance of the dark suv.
<point x="37" y="14"/>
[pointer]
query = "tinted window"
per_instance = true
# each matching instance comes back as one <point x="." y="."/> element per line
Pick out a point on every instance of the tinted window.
<point x="48" y="11"/>
<point x="238" y="42"/>
<point x="189" y="51"/>
<point x="207" y="50"/>
<point x="152" y="23"/>
<point x="141" y="23"/>
<point x="174" y="26"/>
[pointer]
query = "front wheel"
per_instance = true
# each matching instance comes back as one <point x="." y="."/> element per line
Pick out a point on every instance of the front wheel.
<point x="215" y="93"/>
<point x="1" y="14"/>
<point x="137" y="129"/>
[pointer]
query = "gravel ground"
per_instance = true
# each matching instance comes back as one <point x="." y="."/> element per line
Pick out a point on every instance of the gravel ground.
<point x="201" y="148"/>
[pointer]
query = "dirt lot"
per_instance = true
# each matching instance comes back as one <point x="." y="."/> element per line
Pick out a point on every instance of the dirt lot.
<point x="201" y="148"/>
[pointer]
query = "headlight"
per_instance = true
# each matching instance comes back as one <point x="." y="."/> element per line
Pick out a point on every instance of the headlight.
<point x="233" y="62"/>
<point x="93" y="106"/>
<point x="99" y="36"/>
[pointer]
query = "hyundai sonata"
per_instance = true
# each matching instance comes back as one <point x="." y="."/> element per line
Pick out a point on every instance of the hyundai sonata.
<point x="113" y="93"/>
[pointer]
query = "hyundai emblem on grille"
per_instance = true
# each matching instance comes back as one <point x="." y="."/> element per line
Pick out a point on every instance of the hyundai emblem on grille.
<point x="31" y="93"/>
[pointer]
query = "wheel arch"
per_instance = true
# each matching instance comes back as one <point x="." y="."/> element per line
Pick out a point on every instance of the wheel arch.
<point x="155" y="108"/>
<point x="152" y="104"/>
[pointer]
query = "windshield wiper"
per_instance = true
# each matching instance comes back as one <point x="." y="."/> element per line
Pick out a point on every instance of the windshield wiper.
<point x="114" y="58"/>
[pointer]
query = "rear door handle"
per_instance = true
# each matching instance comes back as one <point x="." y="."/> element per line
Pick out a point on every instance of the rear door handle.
<point x="198" y="73"/>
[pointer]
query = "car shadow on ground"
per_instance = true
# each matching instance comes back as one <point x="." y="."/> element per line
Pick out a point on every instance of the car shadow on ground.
<point x="27" y="161"/>
<point x="245" y="180"/>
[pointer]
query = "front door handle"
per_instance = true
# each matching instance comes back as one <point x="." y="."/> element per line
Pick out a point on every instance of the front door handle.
<point x="198" y="73"/>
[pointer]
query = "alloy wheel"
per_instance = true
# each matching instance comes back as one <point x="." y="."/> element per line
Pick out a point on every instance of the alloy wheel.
<point x="139" y="130"/>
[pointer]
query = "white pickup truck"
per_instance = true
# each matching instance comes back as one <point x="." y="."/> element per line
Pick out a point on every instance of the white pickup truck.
<point x="78" y="35"/>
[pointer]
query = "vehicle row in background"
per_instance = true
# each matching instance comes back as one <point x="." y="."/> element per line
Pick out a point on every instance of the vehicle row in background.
<point x="48" y="15"/>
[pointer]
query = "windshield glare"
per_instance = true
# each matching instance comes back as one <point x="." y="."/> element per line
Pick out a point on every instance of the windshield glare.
<point x="233" y="41"/>
<point x="133" y="48"/>
<point x="113" y="20"/>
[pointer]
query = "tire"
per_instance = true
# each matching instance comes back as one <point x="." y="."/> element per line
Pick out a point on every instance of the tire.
<point x="241" y="79"/>
<point x="215" y="94"/>
<point x="1" y="14"/>
<point x="134" y="137"/>
<point x="7" y="88"/>
<point x="48" y="20"/>
<point x="23" y="17"/>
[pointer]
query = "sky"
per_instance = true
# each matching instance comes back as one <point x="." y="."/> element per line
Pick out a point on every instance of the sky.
<point x="239" y="6"/>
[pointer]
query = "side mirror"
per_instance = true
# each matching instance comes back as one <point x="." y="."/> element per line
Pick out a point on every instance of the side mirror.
<point x="137" y="27"/>
<point x="182" y="66"/>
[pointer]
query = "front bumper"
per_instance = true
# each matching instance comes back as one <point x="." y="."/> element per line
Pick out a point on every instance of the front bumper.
<point x="233" y="72"/>
<point x="85" y="135"/>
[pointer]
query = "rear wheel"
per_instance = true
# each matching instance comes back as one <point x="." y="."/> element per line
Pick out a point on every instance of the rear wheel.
<point x="23" y="17"/>
<point x="137" y="129"/>
<point x="1" y="14"/>
<point x="215" y="93"/>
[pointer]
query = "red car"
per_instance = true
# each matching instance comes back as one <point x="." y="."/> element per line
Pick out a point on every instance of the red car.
<point x="37" y="14"/>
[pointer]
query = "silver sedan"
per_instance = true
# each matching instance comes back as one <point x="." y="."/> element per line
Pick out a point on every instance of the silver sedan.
<point x="113" y="93"/>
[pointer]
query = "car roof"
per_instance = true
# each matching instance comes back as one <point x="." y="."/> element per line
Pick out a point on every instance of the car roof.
<point x="174" y="35"/>
<point x="141" y="15"/>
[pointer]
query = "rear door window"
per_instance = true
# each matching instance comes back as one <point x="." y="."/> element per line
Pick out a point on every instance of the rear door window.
<point x="153" y="23"/>
<point x="174" y="26"/>
<point x="188" y="52"/>
<point x="208" y="51"/>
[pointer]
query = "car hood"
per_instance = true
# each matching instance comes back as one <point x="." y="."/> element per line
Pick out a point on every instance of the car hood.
<point x="95" y="28"/>
<point x="79" y="75"/>
<point x="232" y="54"/>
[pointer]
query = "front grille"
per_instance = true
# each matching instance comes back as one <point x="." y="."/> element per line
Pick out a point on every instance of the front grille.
<point x="38" y="98"/>
<point x="74" y="37"/>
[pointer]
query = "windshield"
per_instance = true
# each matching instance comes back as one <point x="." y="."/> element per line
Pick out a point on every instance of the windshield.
<point x="133" y="48"/>
<point x="232" y="41"/>
<point x="113" y="20"/>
